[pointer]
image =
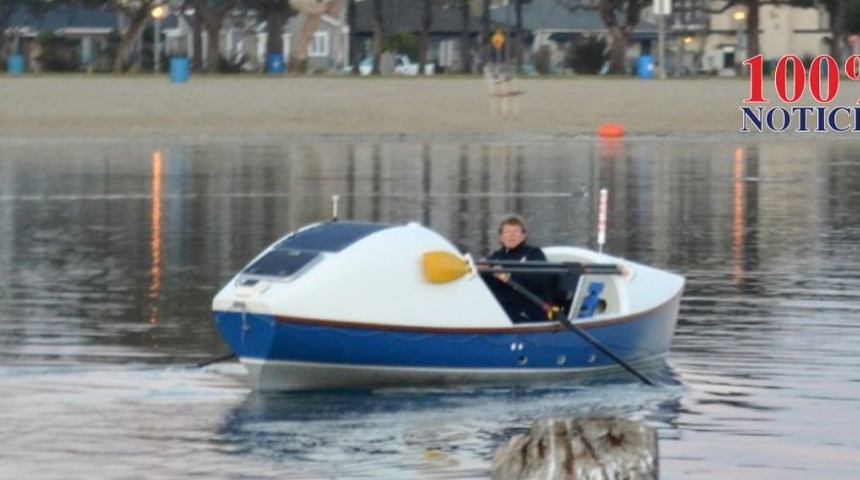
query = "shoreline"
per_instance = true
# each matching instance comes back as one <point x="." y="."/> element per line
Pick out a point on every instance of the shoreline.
<point x="326" y="108"/>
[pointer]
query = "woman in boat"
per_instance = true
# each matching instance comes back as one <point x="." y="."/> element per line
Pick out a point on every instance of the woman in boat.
<point x="513" y="235"/>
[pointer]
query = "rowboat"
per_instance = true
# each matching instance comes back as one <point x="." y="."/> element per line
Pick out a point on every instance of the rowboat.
<point x="355" y="305"/>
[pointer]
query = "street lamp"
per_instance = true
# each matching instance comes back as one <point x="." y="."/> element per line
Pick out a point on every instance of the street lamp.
<point x="158" y="12"/>
<point x="740" y="16"/>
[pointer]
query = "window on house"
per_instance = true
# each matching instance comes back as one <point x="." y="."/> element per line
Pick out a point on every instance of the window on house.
<point x="319" y="45"/>
<point x="690" y="13"/>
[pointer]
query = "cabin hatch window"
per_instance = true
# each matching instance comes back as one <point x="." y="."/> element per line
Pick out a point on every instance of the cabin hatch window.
<point x="281" y="263"/>
<point x="329" y="237"/>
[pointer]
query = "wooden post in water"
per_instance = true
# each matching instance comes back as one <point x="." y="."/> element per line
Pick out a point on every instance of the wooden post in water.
<point x="593" y="448"/>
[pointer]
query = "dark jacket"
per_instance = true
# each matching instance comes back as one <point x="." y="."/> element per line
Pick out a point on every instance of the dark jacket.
<point x="518" y="306"/>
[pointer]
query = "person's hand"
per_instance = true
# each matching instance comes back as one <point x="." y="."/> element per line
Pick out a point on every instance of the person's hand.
<point x="502" y="276"/>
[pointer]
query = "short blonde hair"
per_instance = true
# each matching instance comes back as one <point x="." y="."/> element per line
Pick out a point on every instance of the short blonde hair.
<point x="513" y="219"/>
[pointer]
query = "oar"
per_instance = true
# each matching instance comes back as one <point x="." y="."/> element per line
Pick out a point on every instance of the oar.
<point x="592" y="268"/>
<point x="550" y="310"/>
<point x="582" y="333"/>
<point x="222" y="358"/>
<point x="442" y="267"/>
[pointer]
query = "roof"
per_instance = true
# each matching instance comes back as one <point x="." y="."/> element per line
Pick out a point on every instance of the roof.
<point x="550" y="16"/>
<point x="399" y="15"/>
<point x="73" y="17"/>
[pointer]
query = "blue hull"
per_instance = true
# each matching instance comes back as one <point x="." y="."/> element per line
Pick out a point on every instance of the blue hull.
<point x="290" y="353"/>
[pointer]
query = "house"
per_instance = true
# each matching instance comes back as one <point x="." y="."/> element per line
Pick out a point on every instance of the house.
<point x="554" y="26"/>
<point x="446" y="31"/>
<point x="783" y="30"/>
<point x="696" y="40"/>
<point x="80" y="37"/>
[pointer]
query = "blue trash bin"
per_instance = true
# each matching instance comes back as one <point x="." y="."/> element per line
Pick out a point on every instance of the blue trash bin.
<point x="275" y="63"/>
<point x="16" y="65"/>
<point x="645" y="66"/>
<point x="178" y="69"/>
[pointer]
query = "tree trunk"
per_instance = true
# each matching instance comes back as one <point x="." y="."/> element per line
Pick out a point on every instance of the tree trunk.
<point x="465" y="38"/>
<point x="837" y="31"/>
<point x="378" y="33"/>
<point x="313" y="10"/>
<point x="213" y="53"/>
<point x="197" y="37"/>
<point x="426" y="24"/>
<point x="198" y="43"/>
<point x="299" y="56"/>
<point x="138" y="20"/>
<point x="617" y="50"/>
<point x="617" y="35"/>
<point x="484" y="43"/>
<point x="518" y="35"/>
<point x="753" y="22"/>
<point x="353" y="39"/>
<point x="274" y="32"/>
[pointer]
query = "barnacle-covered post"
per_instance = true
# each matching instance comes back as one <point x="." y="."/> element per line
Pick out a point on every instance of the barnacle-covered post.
<point x="593" y="448"/>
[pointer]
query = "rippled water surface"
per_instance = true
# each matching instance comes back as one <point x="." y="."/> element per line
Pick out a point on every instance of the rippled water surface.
<point x="110" y="254"/>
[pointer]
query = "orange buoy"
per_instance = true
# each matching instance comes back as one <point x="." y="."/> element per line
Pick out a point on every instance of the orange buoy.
<point x="612" y="130"/>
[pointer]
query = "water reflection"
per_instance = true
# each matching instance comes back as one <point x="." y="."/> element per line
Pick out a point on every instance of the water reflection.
<point x="155" y="241"/>
<point x="445" y="433"/>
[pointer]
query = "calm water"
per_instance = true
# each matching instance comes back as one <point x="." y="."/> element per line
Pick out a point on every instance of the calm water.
<point x="110" y="254"/>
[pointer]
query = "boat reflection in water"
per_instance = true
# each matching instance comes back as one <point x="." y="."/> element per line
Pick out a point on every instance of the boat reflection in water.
<point x="445" y="432"/>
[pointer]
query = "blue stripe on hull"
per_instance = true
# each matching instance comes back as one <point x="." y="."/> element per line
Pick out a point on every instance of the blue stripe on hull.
<point x="265" y="337"/>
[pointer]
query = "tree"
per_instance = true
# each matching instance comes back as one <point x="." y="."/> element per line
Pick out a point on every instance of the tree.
<point x="426" y="24"/>
<point x="353" y="52"/>
<point x="620" y="18"/>
<point x="844" y="16"/>
<point x="465" y="37"/>
<point x="378" y="34"/>
<point x="137" y="13"/>
<point x="193" y="19"/>
<point x="852" y="16"/>
<point x="484" y="41"/>
<point x="211" y="14"/>
<point x="518" y="33"/>
<point x="7" y="9"/>
<point x="276" y="13"/>
<point x="313" y="10"/>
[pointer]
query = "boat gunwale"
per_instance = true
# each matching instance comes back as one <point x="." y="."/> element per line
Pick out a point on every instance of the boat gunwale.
<point x="533" y="327"/>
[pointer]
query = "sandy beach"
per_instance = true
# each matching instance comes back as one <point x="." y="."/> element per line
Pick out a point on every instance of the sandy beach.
<point x="146" y="106"/>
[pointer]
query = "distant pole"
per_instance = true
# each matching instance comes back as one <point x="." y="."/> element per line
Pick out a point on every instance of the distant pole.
<point x="158" y="12"/>
<point x="157" y="45"/>
<point x="662" y="8"/>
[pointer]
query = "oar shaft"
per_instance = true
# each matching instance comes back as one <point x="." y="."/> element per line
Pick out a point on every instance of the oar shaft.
<point x="582" y="333"/>
<point x="531" y="296"/>
<point x="597" y="268"/>
<point x="606" y="351"/>
<point x="215" y="360"/>
<point x="525" y="270"/>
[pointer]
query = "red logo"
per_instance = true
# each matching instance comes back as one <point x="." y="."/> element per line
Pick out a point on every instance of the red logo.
<point x="823" y="82"/>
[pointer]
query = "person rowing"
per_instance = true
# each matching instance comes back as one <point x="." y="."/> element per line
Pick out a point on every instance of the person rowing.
<point x="513" y="237"/>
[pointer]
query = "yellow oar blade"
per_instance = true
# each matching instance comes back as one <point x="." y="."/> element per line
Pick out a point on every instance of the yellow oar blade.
<point x="442" y="267"/>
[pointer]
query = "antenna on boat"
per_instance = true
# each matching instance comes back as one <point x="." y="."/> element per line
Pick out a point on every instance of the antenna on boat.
<point x="334" y="200"/>
<point x="601" y="219"/>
